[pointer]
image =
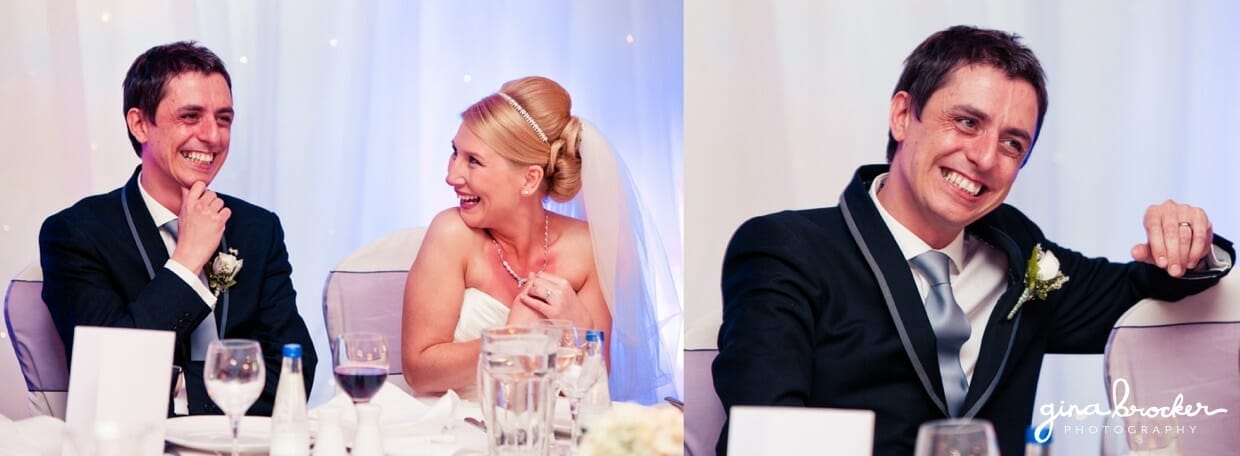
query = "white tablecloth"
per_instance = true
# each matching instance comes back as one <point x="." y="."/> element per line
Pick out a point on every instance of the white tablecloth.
<point x="404" y="423"/>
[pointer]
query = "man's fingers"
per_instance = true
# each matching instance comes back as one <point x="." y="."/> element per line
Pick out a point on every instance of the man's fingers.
<point x="215" y="205"/>
<point x="1154" y="231"/>
<point x="196" y="189"/>
<point x="1203" y="236"/>
<point x="1172" y="232"/>
<point x="1184" y="234"/>
<point x="1179" y="237"/>
<point x="1141" y="252"/>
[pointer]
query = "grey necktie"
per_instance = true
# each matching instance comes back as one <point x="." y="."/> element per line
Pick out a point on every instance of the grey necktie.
<point x="950" y="326"/>
<point x="206" y="331"/>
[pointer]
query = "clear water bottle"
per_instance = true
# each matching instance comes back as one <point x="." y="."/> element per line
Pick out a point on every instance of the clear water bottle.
<point x="597" y="401"/>
<point x="290" y="433"/>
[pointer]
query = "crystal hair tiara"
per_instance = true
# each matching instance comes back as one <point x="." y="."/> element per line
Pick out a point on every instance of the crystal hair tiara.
<point x="526" y="116"/>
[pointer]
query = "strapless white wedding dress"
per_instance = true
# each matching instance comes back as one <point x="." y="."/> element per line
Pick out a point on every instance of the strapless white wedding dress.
<point x="479" y="311"/>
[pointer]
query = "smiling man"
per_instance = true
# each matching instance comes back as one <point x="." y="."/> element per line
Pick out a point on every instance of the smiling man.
<point x="164" y="251"/>
<point x="906" y="298"/>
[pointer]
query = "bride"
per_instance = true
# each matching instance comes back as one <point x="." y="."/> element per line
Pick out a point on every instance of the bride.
<point x="501" y="258"/>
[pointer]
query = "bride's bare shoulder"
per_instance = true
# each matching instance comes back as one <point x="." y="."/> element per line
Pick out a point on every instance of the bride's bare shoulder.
<point x="447" y="227"/>
<point x="576" y="235"/>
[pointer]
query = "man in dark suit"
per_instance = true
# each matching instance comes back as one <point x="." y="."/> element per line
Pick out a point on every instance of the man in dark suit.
<point x="844" y="307"/>
<point x="156" y="253"/>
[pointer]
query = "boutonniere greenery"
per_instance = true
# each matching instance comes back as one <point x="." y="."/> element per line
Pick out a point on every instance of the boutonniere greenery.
<point x="1042" y="276"/>
<point x="222" y="270"/>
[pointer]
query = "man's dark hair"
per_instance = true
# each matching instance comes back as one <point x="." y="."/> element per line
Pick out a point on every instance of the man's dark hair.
<point x="148" y="76"/>
<point x="927" y="68"/>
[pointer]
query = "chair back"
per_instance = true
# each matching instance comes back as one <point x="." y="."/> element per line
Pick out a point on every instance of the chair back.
<point x="704" y="413"/>
<point x="365" y="292"/>
<point x="1191" y="348"/>
<point x="39" y="349"/>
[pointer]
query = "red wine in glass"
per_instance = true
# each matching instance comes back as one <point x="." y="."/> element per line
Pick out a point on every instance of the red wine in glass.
<point x="360" y="382"/>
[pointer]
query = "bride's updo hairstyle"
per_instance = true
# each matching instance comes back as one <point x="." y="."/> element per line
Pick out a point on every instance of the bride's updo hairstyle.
<point x="529" y="122"/>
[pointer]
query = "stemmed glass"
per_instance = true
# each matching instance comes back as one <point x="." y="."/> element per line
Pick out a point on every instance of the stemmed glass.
<point x="575" y="372"/>
<point x="360" y="364"/>
<point x="234" y="375"/>
<point x="957" y="437"/>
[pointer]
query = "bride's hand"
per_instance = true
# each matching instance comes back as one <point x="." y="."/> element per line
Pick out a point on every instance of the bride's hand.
<point x="520" y="314"/>
<point x="554" y="297"/>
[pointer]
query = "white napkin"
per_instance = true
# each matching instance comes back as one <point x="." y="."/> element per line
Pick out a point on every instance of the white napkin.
<point x="40" y="435"/>
<point x="401" y="416"/>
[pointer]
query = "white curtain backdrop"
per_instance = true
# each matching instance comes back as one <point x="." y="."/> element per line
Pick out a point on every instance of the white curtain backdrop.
<point x="784" y="99"/>
<point x="345" y="110"/>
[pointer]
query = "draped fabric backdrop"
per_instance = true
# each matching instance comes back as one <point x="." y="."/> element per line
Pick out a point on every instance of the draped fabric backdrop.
<point x="345" y="111"/>
<point x="784" y="99"/>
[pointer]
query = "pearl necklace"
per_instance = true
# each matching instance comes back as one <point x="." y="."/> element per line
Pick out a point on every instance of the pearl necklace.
<point x="546" y="240"/>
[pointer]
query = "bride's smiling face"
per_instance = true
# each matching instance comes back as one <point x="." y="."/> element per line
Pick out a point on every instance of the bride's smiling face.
<point x="487" y="185"/>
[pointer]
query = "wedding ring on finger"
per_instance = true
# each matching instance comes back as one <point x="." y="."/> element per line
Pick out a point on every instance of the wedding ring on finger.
<point x="1186" y="225"/>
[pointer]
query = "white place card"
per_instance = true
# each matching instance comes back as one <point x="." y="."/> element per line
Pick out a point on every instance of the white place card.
<point x="118" y="390"/>
<point x="754" y="430"/>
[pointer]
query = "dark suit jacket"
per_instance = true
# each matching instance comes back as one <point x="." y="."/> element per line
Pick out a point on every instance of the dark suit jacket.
<point x="94" y="276"/>
<point x="821" y="310"/>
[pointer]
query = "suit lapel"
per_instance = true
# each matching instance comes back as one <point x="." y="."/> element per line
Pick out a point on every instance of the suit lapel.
<point x="895" y="279"/>
<point x="151" y="243"/>
<point x="221" y="304"/>
<point x="998" y="340"/>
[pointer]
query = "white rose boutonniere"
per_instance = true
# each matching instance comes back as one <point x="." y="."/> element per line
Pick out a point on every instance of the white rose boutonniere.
<point x="1042" y="276"/>
<point x="222" y="270"/>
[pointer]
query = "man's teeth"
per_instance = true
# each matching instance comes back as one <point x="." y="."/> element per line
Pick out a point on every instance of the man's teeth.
<point x="200" y="157"/>
<point x="962" y="182"/>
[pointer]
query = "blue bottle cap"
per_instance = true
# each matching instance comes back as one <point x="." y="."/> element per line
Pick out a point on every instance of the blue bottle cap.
<point x="1032" y="435"/>
<point x="292" y="350"/>
<point x="594" y="335"/>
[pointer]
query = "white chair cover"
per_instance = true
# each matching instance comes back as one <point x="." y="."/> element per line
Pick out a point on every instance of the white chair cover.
<point x="1190" y="348"/>
<point x="704" y="413"/>
<point x="365" y="292"/>
<point x="39" y="349"/>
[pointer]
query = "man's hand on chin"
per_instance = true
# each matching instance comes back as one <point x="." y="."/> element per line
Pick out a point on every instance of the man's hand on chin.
<point x="201" y="225"/>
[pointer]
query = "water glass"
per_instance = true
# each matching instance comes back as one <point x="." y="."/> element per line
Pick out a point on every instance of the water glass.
<point x="957" y="437"/>
<point x="515" y="388"/>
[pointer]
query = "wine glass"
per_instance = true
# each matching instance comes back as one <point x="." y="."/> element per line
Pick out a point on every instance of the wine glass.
<point x="361" y="364"/>
<point x="575" y="372"/>
<point x="234" y="375"/>
<point x="558" y="330"/>
<point x="957" y="437"/>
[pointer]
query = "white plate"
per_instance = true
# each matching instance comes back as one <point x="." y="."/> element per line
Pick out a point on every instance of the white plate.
<point x="212" y="433"/>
